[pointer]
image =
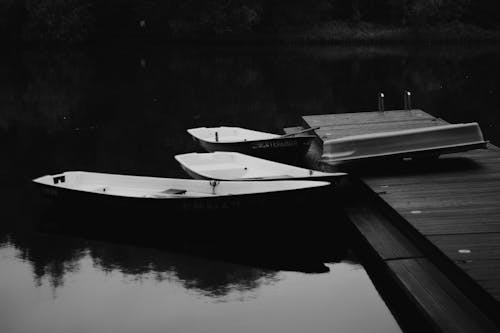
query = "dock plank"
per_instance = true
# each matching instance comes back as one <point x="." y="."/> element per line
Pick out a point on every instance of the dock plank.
<point x="486" y="272"/>
<point x="364" y="117"/>
<point x="477" y="246"/>
<point x="445" y="224"/>
<point x="484" y="173"/>
<point x="447" y="307"/>
<point x="477" y="254"/>
<point x="380" y="233"/>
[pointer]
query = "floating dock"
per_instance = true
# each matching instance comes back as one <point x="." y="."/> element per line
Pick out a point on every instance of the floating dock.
<point x="431" y="228"/>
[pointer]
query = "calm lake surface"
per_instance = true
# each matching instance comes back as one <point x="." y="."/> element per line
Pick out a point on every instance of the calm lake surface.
<point x="125" y="110"/>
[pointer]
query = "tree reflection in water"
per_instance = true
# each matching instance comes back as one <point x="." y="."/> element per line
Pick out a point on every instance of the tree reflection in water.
<point x="52" y="257"/>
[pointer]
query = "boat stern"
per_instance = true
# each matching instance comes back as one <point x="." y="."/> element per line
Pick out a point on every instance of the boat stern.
<point x="51" y="179"/>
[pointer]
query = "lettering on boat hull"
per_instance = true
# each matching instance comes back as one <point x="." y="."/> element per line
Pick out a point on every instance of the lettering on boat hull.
<point x="275" y="144"/>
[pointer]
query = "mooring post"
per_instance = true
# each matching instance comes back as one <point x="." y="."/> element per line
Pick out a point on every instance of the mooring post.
<point x="407" y="100"/>
<point x="381" y="102"/>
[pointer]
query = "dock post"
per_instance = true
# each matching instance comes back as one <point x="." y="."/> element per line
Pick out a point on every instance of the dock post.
<point x="381" y="102"/>
<point x="407" y="100"/>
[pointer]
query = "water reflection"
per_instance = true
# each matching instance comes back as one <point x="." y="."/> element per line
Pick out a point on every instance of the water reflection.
<point x="215" y="279"/>
<point x="95" y="300"/>
<point x="53" y="257"/>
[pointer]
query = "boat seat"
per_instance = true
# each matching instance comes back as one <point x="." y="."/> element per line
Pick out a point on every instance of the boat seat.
<point x="174" y="191"/>
<point x="222" y="170"/>
<point x="224" y="173"/>
<point x="166" y="193"/>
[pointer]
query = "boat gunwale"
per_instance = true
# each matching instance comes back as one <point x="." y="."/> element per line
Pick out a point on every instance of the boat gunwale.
<point x="298" y="137"/>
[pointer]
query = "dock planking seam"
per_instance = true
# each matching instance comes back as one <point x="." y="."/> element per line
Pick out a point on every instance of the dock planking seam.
<point x="367" y="117"/>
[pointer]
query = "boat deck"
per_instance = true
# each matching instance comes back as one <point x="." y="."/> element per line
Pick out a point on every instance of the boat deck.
<point x="434" y="226"/>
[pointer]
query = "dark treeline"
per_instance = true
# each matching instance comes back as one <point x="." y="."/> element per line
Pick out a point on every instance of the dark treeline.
<point x="104" y="20"/>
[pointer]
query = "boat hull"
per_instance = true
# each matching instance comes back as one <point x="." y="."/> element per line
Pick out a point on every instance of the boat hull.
<point x="282" y="149"/>
<point x="419" y="142"/>
<point x="190" y="205"/>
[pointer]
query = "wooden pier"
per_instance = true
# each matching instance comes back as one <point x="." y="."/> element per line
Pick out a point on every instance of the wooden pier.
<point x="431" y="226"/>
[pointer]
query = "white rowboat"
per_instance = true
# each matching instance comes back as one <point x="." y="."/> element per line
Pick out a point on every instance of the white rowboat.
<point x="236" y="166"/>
<point x="175" y="194"/>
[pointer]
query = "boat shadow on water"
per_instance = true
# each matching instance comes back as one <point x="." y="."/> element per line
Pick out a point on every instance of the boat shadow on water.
<point x="278" y="234"/>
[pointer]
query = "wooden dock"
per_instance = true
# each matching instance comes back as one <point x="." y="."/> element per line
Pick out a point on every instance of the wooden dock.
<point x="432" y="226"/>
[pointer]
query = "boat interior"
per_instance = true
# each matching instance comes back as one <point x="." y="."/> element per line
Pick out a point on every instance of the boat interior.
<point x="230" y="165"/>
<point x="229" y="134"/>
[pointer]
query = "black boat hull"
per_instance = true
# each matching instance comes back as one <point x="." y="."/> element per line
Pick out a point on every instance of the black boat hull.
<point x="180" y="204"/>
<point x="279" y="149"/>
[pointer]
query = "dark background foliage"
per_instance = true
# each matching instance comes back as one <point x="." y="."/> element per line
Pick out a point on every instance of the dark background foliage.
<point x="93" y="20"/>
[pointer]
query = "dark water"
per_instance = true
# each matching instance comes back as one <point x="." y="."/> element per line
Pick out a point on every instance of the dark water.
<point x="126" y="111"/>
